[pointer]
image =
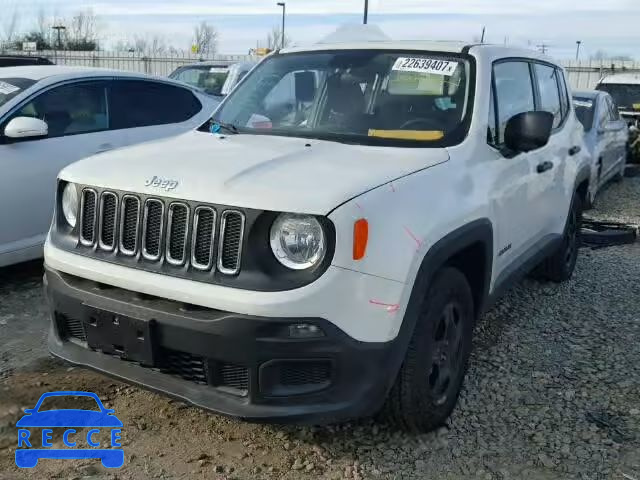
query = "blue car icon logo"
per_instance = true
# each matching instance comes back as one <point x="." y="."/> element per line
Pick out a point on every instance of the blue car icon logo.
<point x="29" y="451"/>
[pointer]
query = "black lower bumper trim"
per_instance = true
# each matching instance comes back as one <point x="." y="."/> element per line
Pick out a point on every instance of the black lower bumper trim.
<point x="236" y="365"/>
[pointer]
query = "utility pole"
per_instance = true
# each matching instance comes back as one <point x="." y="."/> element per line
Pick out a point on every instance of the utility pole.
<point x="578" y="43"/>
<point x="366" y="12"/>
<point x="284" y="13"/>
<point x="59" y="29"/>
<point x="543" y="48"/>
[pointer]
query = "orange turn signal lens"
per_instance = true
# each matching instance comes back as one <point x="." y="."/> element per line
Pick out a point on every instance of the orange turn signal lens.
<point x="360" y="238"/>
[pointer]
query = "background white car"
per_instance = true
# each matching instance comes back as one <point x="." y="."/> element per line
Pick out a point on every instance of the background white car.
<point x="606" y="136"/>
<point x="52" y="116"/>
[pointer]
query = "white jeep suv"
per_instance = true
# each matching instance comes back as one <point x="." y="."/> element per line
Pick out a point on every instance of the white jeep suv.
<point x="322" y="249"/>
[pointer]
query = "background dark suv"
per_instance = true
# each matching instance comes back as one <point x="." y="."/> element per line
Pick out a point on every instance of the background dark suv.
<point x="20" y="61"/>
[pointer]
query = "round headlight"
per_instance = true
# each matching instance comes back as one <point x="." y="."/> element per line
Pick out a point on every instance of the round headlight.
<point x="298" y="241"/>
<point x="70" y="204"/>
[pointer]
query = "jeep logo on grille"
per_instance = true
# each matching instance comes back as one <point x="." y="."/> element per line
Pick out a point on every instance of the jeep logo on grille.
<point x="163" y="183"/>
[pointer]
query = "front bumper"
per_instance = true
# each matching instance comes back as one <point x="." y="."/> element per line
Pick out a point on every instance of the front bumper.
<point x="233" y="364"/>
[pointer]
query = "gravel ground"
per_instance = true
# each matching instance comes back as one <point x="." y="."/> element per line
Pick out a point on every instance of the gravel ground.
<point x="619" y="202"/>
<point x="553" y="392"/>
<point x="23" y="317"/>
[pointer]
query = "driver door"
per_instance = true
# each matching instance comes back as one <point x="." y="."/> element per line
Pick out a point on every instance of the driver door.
<point x="77" y="117"/>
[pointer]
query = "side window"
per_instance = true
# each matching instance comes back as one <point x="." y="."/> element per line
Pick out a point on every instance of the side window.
<point x="549" y="94"/>
<point x="70" y="109"/>
<point x="514" y="92"/>
<point x="613" y="110"/>
<point x="604" y="115"/>
<point x="564" y="95"/>
<point x="139" y="103"/>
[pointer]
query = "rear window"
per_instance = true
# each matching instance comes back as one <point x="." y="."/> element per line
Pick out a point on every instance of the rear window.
<point x="585" y="109"/>
<point x="12" y="87"/>
<point x="137" y="103"/>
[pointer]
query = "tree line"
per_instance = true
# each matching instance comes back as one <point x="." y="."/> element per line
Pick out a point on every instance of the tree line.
<point x="83" y="31"/>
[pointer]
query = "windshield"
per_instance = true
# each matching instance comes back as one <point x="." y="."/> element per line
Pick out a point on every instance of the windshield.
<point x="585" y="109"/>
<point x="208" y="78"/>
<point x="12" y="87"/>
<point x="236" y="73"/>
<point x="627" y="97"/>
<point x="358" y="96"/>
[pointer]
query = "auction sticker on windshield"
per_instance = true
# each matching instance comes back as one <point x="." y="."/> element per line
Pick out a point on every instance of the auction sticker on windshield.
<point x="425" y="65"/>
<point x="7" y="88"/>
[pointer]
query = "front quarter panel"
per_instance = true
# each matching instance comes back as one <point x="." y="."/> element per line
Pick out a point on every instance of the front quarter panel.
<point x="407" y="217"/>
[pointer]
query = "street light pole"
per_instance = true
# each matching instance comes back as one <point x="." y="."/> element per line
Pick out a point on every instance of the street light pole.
<point x="59" y="29"/>
<point x="366" y="12"/>
<point x="284" y="13"/>
<point x="578" y="43"/>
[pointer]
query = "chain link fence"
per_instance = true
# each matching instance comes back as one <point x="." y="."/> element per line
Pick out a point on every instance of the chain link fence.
<point x="585" y="75"/>
<point x="160" y="65"/>
<point x="582" y="75"/>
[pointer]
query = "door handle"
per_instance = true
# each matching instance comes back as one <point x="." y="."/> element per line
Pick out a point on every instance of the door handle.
<point x="575" y="150"/>
<point x="105" y="147"/>
<point x="544" y="166"/>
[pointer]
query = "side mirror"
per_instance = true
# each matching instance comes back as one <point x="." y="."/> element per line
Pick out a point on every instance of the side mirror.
<point x="528" y="131"/>
<point x="26" y="127"/>
<point x="305" y="86"/>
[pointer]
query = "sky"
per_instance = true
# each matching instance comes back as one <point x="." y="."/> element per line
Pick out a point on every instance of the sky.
<point x="608" y="25"/>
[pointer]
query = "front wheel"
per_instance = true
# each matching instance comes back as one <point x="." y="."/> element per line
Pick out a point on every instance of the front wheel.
<point x="429" y="382"/>
<point x="559" y="267"/>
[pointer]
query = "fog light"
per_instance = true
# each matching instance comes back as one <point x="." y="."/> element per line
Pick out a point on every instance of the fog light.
<point x="305" y="330"/>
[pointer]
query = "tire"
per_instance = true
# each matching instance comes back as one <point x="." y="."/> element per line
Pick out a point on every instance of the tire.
<point x="632" y="171"/>
<point x="559" y="267"/>
<point x="607" y="238"/>
<point x="427" y="387"/>
<point x="589" y="201"/>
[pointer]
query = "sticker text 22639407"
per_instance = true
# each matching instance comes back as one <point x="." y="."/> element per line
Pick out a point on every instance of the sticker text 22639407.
<point x="425" y="65"/>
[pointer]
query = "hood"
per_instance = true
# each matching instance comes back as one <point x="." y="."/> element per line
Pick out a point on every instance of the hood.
<point x="252" y="171"/>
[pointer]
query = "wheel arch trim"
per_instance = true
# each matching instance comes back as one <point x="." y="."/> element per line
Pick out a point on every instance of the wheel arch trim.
<point x="480" y="230"/>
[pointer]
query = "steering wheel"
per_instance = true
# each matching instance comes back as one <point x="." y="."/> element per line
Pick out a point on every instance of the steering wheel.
<point x="425" y="123"/>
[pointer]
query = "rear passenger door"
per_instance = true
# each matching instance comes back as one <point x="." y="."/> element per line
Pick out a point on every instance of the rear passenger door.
<point x="552" y="96"/>
<point x="145" y="110"/>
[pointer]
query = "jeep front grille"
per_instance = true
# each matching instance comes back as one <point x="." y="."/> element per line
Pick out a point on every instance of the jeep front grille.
<point x="177" y="233"/>
<point x="152" y="228"/>
<point x="204" y="230"/>
<point x="129" y="225"/>
<point x="172" y="234"/>
<point x="230" y="250"/>
<point x="107" y="220"/>
<point x="88" y="206"/>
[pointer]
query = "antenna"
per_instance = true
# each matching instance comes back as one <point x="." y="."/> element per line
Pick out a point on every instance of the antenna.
<point x="483" y="32"/>
<point x="543" y="47"/>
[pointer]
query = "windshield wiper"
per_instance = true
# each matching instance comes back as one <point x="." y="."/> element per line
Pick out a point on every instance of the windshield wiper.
<point x="216" y="126"/>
